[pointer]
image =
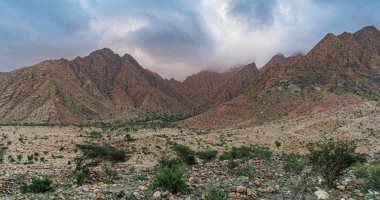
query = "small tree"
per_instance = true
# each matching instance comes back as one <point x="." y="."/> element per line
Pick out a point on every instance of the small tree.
<point x="93" y="155"/>
<point x="331" y="157"/>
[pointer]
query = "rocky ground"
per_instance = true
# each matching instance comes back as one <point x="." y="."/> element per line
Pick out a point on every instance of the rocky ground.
<point x="34" y="151"/>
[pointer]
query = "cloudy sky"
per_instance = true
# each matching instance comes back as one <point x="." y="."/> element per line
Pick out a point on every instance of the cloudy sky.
<point x="174" y="37"/>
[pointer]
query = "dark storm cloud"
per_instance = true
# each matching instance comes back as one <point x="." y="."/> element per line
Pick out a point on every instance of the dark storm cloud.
<point x="175" y="29"/>
<point x="33" y="30"/>
<point x="174" y="37"/>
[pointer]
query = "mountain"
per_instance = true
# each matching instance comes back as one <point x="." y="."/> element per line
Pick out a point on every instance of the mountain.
<point x="339" y="71"/>
<point x="105" y="86"/>
<point x="100" y="86"/>
<point x="208" y="89"/>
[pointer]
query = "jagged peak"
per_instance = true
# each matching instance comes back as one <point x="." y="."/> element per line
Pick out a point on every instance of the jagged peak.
<point x="368" y="31"/>
<point x="371" y="28"/>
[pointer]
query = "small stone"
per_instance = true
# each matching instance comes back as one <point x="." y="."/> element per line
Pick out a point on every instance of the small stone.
<point x="241" y="189"/>
<point x="99" y="196"/>
<point x="172" y="198"/>
<point x="137" y="195"/>
<point x="341" y="187"/>
<point x="157" y="195"/>
<point x="258" y="183"/>
<point x="142" y="188"/>
<point x="268" y="190"/>
<point x="321" y="194"/>
<point x="232" y="195"/>
<point x="129" y="196"/>
<point x="360" y="194"/>
<point x="121" y="194"/>
<point x="249" y="192"/>
<point x="166" y="193"/>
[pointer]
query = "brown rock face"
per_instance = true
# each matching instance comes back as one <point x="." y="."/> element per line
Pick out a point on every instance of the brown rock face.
<point x="100" y="86"/>
<point x="105" y="86"/>
<point x="347" y="65"/>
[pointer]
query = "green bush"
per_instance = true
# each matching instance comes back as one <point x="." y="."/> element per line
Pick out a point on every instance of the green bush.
<point x="170" y="176"/>
<point x="109" y="174"/>
<point x="81" y="177"/>
<point x="247" y="152"/>
<point x="330" y="157"/>
<point x="293" y="163"/>
<point x="185" y="154"/>
<point x="213" y="193"/>
<point x="371" y="174"/>
<point x="207" y="155"/>
<point x="39" y="185"/>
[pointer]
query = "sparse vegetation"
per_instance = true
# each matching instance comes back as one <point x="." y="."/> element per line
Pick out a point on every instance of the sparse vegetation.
<point x="109" y="174"/>
<point x="92" y="155"/>
<point x="247" y="152"/>
<point x="371" y="174"/>
<point x="293" y="163"/>
<point x="185" y="153"/>
<point x="330" y="157"/>
<point x="169" y="176"/>
<point x="38" y="185"/>
<point x="214" y="193"/>
<point x="207" y="155"/>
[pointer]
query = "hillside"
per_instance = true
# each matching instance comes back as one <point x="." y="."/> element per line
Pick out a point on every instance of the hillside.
<point x="339" y="71"/>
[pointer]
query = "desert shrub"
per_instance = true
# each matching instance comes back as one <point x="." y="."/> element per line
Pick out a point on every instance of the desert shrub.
<point x="214" y="193"/>
<point x="95" y="135"/>
<point x="129" y="138"/>
<point x="371" y="174"/>
<point x="207" y="155"/>
<point x="169" y="176"/>
<point x="232" y="164"/>
<point x="277" y="144"/>
<point x="140" y="177"/>
<point x="2" y="152"/>
<point x="185" y="154"/>
<point x="109" y="174"/>
<point x="330" y="157"/>
<point x="293" y="163"/>
<point x="93" y="155"/>
<point x="39" y="185"/>
<point x="81" y="177"/>
<point x="247" y="152"/>
<point x="248" y="171"/>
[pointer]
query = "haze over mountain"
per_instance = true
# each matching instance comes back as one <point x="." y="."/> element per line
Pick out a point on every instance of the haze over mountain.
<point x="106" y="86"/>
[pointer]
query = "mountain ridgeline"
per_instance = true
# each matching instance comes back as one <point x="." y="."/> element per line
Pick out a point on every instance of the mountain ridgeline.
<point x="104" y="86"/>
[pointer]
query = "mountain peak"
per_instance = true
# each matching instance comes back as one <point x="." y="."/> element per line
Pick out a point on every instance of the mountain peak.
<point x="371" y="28"/>
<point x="102" y="52"/>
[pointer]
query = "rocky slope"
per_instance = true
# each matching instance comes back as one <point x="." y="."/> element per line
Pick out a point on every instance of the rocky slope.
<point x="338" y="71"/>
<point x="102" y="85"/>
<point x="105" y="86"/>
